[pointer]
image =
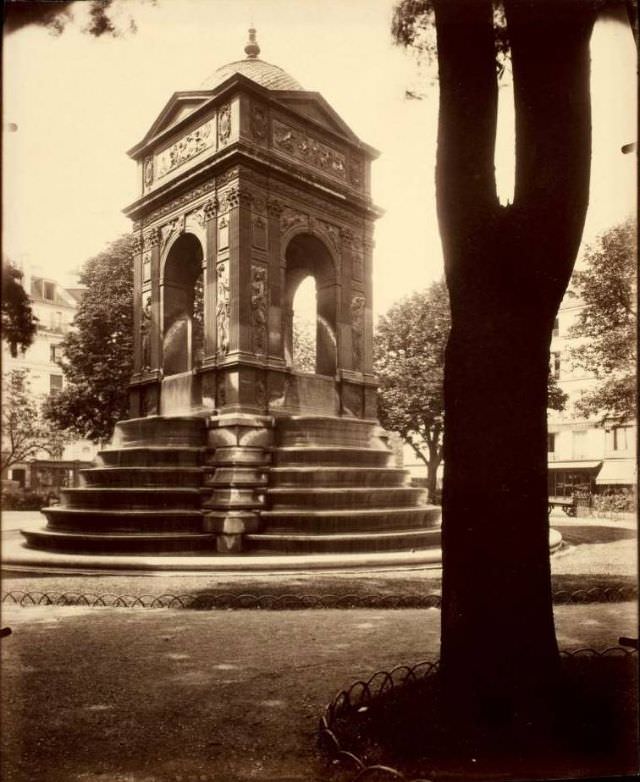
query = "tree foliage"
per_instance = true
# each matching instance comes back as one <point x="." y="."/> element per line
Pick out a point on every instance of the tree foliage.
<point x="98" y="353"/>
<point x="607" y="324"/>
<point x="19" y="324"/>
<point x="409" y="364"/>
<point x="105" y="16"/>
<point x="25" y="433"/>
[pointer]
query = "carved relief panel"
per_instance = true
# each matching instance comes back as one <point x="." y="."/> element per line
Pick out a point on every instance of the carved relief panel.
<point x="357" y="330"/>
<point x="259" y="307"/>
<point x="223" y="306"/>
<point x="308" y="149"/>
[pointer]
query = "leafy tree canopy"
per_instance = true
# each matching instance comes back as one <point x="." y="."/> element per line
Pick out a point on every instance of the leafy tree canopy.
<point x="409" y="363"/>
<point x="106" y="17"/>
<point x="98" y="353"/>
<point x="25" y="433"/>
<point x="606" y="326"/>
<point x="19" y="324"/>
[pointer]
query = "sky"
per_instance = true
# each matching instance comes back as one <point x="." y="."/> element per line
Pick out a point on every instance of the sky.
<point x="79" y="103"/>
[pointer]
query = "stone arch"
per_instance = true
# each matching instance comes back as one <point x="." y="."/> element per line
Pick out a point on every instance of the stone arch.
<point x="306" y="255"/>
<point x="181" y="284"/>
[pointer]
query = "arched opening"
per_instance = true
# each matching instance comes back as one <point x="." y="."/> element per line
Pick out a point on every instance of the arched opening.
<point x="304" y="336"/>
<point x="311" y="295"/>
<point x="182" y="326"/>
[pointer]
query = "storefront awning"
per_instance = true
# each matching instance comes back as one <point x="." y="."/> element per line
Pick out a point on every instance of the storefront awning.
<point x="618" y="472"/>
<point x="573" y="465"/>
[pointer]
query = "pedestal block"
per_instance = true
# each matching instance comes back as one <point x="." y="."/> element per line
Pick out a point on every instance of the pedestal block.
<point x="240" y="453"/>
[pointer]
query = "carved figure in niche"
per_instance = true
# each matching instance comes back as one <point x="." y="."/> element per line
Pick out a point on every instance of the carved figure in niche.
<point x="357" y="329"/>
<point x="259" y="123"/>
<point x="145" y="335"/>
<point x="224" y="124"/>
<point x="259" y="307"/>
<point x="261" y="393"/>
<point x="222" y="309"/>
<point x="148" y="171"/>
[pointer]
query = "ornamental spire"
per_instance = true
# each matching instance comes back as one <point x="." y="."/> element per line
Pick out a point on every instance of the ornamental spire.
<point x="252" y="50"/>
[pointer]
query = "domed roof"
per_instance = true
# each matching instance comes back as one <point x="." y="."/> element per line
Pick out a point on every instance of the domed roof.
<point x="270" y="76"/>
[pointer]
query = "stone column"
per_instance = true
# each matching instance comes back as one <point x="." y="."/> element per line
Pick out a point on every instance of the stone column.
<point x="240" y="445"/>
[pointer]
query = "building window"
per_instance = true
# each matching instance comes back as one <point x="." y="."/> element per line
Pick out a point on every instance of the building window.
<point x="619" y="438"/>
<point x="55" y="353"/>
<point x="555" y="364"/>
<point x="49" y="291"/>
<point x="551" y="443"/>
<point x="556" y="327"/>
<point x="55" y="384"/>
<point x="579" y="445"/>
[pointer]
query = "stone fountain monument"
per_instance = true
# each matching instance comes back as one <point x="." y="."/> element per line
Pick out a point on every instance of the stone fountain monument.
<point x="248" y="185"/>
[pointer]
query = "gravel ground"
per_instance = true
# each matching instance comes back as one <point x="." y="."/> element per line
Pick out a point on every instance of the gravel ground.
<point x="121" y="695"/>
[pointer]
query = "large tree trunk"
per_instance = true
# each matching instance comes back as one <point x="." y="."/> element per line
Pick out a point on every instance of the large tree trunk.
<point x="507" y="269"/>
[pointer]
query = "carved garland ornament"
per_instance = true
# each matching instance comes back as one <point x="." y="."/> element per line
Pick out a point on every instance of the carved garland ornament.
<point x="259" y="122"/>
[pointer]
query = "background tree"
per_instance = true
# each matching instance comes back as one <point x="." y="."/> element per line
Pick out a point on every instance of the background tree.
<point x="19" y="324"/>
<point x="507" y="268"/>
<point x="98" y="353"/>
<point x="607" y="286"/>
<point x="106" y="17"/>
<point x="25" y="433"/>
<point x="409" y="349"/>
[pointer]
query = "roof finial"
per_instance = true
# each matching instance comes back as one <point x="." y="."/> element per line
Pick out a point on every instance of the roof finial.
<point x="252" y="50"/>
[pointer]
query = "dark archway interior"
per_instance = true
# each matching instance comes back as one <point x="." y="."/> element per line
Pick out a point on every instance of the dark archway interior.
<point x="307" y="256"/>
<point x="182" y="306"/>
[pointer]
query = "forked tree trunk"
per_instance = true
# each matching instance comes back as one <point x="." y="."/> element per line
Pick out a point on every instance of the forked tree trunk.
<point x="507" y="269"/>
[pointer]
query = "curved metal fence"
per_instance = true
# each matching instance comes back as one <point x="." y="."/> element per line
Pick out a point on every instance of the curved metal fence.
<point x="361" y="694"/>
<point x="274" y="602"/>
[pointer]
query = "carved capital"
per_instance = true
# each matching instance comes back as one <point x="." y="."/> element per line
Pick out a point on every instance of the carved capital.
<point x="137" y="245"/>
<point x="237" y="196"/>
<point x="151" y="238"/>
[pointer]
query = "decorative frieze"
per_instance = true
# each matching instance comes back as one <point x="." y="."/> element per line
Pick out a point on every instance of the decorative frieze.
<point x="259" y="307"/>
<point x="224" y="124"/>
<point x="186" y="148"/>
<point x="274" y="207"/>
<point x="223" y="306"/>
<point x="177" y="203"/>
<point x="357" y="330"/>
<point x="310" y="150"/>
